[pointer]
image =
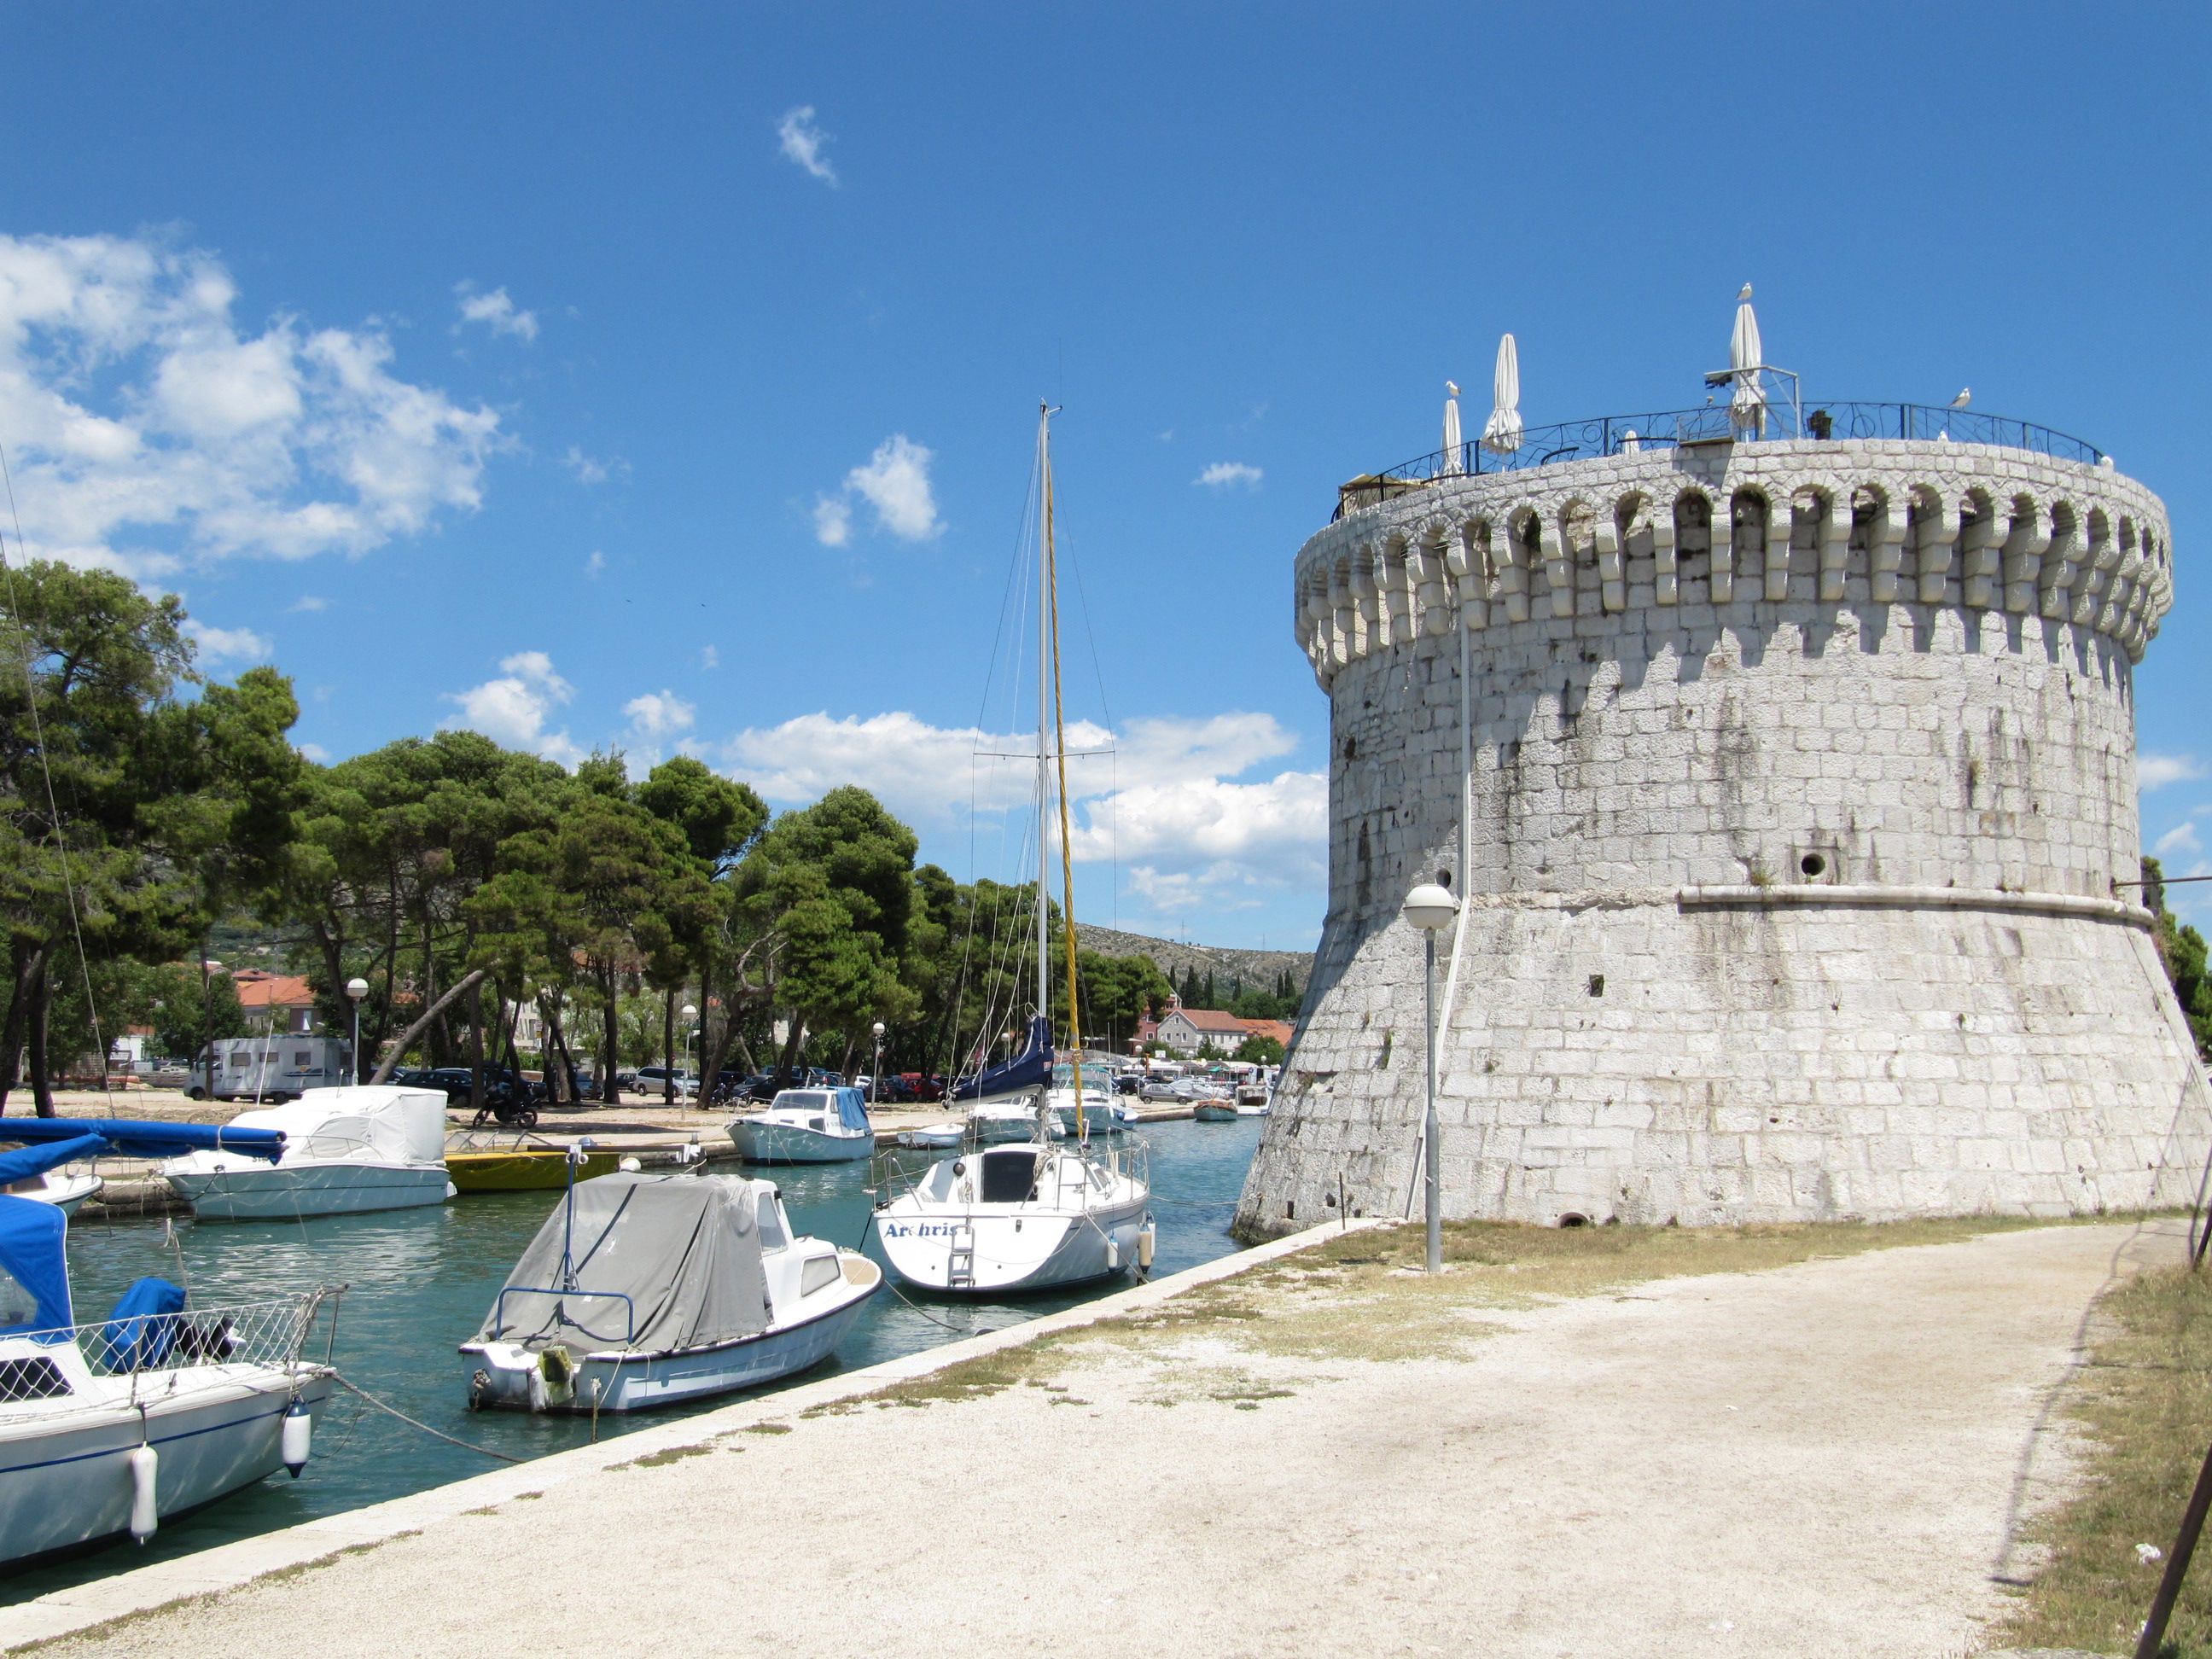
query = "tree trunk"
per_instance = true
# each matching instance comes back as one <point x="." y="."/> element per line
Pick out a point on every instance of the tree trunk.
<point x="397" y="1047"/>
<point x="712" y="1059"/>
<point x="476" y="1047"/>
<point x="560" y="1089"/>
<point x="789" y="1058"/>
<point x="611" y="1035"/>
<point x="42" y="1081"/>
<point x="28" y="962"/>
<point x="668" y="1048"/>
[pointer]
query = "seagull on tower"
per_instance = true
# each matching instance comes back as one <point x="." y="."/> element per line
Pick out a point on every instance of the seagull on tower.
<point x="1746" y="295"/>
<point x="1966" y="395"/>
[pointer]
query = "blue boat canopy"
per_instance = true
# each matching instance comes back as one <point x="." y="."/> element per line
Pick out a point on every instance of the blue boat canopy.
<point x="33" y="1271"/>
<point x="131" y="1139"/>
<point x="1030" y="1069"/>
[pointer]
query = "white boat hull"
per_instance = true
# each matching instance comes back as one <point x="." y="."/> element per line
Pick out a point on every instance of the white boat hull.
<point x="507" y="1376"/>
<point x="791" y="1143"/>
<point x="66" y="1485"/>
<point x="288" y="1192"/>
<point x="1040" y="1253"/>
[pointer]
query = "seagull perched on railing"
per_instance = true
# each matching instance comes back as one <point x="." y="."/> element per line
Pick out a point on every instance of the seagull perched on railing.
<point x="1966" y="395"/>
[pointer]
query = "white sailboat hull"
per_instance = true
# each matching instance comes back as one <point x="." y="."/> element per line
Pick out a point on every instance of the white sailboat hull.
<point x="288" y="1192"/>
<point x="65" y="1479"/>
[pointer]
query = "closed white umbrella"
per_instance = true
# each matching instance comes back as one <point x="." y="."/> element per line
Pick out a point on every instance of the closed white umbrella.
<point x="1746" y="407"/>
<point x="1451" y="429"/>
<point x="1502" y="433"/>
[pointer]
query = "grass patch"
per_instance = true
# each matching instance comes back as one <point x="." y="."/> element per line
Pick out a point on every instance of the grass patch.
<point x="672" y="1455"/>
<point x="2144" y="1399"/>
<point x="765" y="1428"/>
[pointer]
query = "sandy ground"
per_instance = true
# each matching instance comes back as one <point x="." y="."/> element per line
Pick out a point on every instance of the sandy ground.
<point x="1821" y="1460"/>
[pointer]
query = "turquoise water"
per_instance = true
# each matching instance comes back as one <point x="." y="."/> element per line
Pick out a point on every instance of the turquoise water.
<point x="421" y="1281"/>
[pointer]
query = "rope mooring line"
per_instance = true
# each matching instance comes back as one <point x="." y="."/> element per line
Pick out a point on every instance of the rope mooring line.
<point x="482" y="1451"/>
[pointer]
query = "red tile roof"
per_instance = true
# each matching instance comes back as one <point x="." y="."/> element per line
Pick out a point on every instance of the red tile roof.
<point x="259" y="989"/>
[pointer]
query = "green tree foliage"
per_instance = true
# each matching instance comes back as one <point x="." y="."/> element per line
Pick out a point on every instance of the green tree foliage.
<point x="134" y="800"/>
<point x="2182" y="949"/>
<point x="1260" y="1050"/>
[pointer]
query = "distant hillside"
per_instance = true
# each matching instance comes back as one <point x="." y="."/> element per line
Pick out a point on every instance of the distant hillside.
<point x="1255" y="969"/>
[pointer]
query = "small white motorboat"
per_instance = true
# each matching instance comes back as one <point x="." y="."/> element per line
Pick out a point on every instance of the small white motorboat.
<point x="651" y="1290"/>
<point x="106" y="1428"/>
<point x="59" y="1187"/>
<point x="347" y="1149"/>
<point x="938" y="1136"/>
<point x="1000" y="1122"/>
<point x="806" y="1126"/>
<point x="1098" y="1116"/>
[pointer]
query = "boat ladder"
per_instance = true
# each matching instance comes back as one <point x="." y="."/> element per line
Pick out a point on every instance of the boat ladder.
<point x="960" y="1261"/>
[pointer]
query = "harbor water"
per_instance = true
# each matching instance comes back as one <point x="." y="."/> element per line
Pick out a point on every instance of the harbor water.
<point x="421" y="1282"/>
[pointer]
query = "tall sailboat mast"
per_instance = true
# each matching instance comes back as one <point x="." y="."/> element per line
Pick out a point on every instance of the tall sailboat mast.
<point x="1045" y="652"/>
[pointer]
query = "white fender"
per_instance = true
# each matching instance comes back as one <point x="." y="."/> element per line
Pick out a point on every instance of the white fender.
<point x="145" y="1509"/>
<point x="299" y="1436"/>
<point x="1144" y="1246"/>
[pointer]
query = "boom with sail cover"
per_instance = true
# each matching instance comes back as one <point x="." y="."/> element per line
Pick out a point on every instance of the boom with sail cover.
<point x="1030" y="1069"/>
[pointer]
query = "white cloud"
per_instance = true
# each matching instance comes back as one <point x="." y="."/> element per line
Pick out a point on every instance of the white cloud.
<point x="709" y="657"/>
<point x="1187" y="833"/>
<point x="659" y="714"/>
<point x="513" y="710"/>
<point x="2156" y="771"/>
<point x="594" y="565"/>
<point x="802" y="143"/>
<point x="496" y="312"/>
<point x="149" y="432"/>
<point x="895" y="483"/>
<point x="310" y="602"/>
<point x="315" y="752"/>
<point x="2182" y="838"/>
<point x="229" y="644"/>
<point x="833" y="521"/>
<point x="1230" y="474"/>
<point x="589" y="469"/>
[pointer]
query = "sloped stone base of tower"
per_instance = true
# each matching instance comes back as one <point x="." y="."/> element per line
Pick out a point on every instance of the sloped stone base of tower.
<point x="1736" y="1054"/>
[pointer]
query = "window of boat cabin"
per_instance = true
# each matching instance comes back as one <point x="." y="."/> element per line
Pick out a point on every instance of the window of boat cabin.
<point x="19" y="1309"/>
<point x="1009" y="1178"/>
<point x="769" y="1216"/>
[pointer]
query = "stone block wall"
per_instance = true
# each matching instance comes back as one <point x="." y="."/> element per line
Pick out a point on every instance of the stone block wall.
<point x="1788" y="787"/>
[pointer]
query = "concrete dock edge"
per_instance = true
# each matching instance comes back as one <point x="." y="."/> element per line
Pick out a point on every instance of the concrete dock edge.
<point x="231" y="1566"/>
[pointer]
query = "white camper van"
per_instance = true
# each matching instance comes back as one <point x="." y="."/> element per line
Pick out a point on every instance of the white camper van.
<point x="271" y="1069"/>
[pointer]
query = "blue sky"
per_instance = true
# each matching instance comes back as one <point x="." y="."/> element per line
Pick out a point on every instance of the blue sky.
<point x="665" y="377"/>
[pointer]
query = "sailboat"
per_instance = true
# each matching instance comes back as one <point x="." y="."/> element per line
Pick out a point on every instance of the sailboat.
<point x="1029" y="1214"/>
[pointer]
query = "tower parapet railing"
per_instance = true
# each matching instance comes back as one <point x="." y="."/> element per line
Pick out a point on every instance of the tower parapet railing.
<point x="1714" y="423"/>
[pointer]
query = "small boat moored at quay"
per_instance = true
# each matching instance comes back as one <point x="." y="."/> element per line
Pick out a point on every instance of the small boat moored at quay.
<point x="806" y="1126"/>
<point x="529" y="1165"/>
<point x="651" y="1290"/>
<point x="347" y="1150"/>
<point x="107" y="1428"/>
<point x="1214" y="1111"/>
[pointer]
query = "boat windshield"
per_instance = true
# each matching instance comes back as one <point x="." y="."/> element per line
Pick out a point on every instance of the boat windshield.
<point x="1009" y="1178"/>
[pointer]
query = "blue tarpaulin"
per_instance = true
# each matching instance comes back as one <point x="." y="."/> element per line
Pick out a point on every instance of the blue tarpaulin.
<point x="141" y="1328"/>
<point x="31" y="1253"/>
<point x="852" y="1109"/>
<point x="1030" y="1069"/>
<point x="133" y="1139"/>
<point x="21" y="1163"/>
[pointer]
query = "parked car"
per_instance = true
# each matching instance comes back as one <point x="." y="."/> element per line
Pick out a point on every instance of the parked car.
<point x="652" y="1081"/>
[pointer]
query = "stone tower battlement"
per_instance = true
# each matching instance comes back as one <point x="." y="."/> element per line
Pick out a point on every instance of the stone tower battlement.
<point x="1787" y="784"/>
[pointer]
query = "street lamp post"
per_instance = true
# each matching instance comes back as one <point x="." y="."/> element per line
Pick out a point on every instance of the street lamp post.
<point x="355" y="989"/>
<point x="1428" y="907"/>
<point x="688" y="1014"/>
<point x="876" y="1066"/>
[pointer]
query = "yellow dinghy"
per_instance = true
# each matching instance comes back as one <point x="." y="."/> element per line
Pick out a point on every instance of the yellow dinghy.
<point x="522" y="1169"/>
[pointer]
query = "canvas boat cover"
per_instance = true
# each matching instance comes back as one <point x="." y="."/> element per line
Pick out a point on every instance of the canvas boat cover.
<point x="684" y="1250"/>
<point x="850" y="1104"/>
<point x="382" y="1122"/>
<point x="1026" y="1070"/>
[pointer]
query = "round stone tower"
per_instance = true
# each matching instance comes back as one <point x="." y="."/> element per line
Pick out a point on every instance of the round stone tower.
<point x="1790" y="785"/>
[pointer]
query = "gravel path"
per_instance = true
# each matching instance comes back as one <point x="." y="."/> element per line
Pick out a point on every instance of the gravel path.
<point x="1821" y="1460"/>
